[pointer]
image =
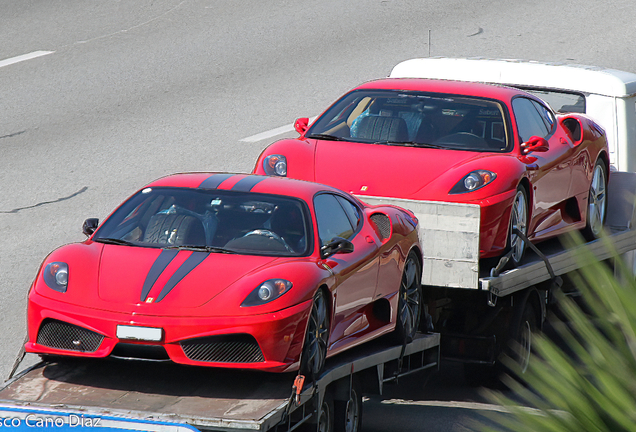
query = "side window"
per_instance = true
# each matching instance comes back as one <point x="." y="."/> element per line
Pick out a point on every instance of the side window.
<point x="352" y="211"/>
<point x="529" y="121"/>
<point x="331" y="218"/>
<point x="546" y="115"/>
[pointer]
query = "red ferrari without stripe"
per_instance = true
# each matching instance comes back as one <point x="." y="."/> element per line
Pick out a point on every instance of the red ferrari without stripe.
<point x="230" y="270"/>
<point x="527" y="167"/>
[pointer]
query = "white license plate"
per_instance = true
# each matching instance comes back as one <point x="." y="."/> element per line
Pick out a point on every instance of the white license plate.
<point x="139" y="333"/>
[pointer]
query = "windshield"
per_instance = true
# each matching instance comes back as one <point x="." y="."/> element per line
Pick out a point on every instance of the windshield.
<point x="210" y="220"/>
<point x="415" y="119"/>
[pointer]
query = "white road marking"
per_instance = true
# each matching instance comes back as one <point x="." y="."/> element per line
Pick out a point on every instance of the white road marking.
<point x="455" y="404"/>
<point x="449" y="404"/>
<point x="272" y="133"/>
<point x="24" y="57"/>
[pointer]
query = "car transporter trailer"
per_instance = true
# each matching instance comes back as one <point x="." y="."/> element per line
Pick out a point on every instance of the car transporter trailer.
<point x="163" y="396"/>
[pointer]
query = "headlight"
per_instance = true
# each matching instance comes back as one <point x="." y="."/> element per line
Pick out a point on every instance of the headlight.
<point x="56" y="276"/>
<point x="267" y="291"/>
<point x="473" y="181"/>
<point x="275" y="165"/>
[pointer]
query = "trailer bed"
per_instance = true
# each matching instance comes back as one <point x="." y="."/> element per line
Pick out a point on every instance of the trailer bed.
<point x="204" y="398"/>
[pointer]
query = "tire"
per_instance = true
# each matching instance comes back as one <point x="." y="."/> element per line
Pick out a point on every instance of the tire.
<point x="596" y="202"/>
<point x="409" y="310"/>
<point x="518" y="349"/>
<point x="348" y="414"/>
<point x="325" y="415"/>
<point x="314" y="350"/>
<point x="521" y="349"/>
<point x="519" y="220"/>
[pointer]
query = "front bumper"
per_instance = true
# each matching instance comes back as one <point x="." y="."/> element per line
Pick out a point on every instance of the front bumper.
<point x="213" y="342"/>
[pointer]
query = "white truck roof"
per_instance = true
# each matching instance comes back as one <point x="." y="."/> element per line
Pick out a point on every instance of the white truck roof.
<point x="609" y="94"/>
<point x="572" y="77"/>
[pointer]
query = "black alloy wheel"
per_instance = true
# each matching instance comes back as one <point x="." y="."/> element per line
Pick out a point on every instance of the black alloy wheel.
<point x="597" y="202"/>
<point x="410" y="300"/>
<point x="518" y="220"/>
<point x="317" y="337"/>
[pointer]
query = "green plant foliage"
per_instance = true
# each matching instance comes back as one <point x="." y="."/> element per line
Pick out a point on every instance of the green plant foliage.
<point x="590" y="383"/>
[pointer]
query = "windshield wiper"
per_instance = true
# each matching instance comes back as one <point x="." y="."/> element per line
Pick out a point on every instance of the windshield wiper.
<point x="326" y="137"/>
<point x="114" y="241"/>
<point x="410" y="144"/>
<point x="201" y="248"/>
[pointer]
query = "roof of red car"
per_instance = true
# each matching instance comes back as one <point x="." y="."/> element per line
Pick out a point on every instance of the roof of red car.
<point x="243" y="183"/>
<point x="443" y="86"/>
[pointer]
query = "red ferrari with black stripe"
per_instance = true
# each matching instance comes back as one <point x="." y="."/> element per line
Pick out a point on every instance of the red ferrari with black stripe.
<point x="230" y="270"/>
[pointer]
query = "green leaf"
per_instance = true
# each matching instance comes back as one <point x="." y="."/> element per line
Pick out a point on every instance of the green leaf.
<point x="591" y="384"/>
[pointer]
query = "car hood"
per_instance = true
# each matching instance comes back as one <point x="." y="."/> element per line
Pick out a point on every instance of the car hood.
<point x="387" y="171"/>
<point x="168" y="280"/>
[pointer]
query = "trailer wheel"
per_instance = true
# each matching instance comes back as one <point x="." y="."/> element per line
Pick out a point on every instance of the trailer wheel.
<point x="522" y="342"/>
<point x="325" y="414"/>
<point x="409" y="309"/>
<point x="348" y="414"/>
<point x="519" y="220"/>
<point x="517" y="348"/>
<point x="597" y="202"/>
<point x="315" y="348"/>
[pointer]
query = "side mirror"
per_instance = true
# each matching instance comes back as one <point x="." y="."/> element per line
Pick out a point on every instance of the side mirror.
<point x="337" y="245"/>
<point x="301" y="125"/>
<point x="90" y="225"/>
<point x="535" y="144"/>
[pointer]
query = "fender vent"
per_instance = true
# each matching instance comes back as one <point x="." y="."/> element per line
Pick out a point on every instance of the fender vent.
<point x="65" y="336"/>
<point x="240" y="348"/>
<point x="383" y="224"/>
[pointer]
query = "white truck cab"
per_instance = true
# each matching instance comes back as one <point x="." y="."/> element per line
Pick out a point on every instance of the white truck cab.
<point x="608" y="96"/>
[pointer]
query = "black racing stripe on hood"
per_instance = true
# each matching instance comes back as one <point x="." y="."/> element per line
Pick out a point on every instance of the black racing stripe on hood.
<point x="190" y="264"/>
<point x="160" y="264"/>
<point x="246" y="184"/>
<point x="214" y="181"/>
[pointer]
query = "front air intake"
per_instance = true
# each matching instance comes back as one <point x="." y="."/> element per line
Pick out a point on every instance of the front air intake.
<point x="140" y="351"/>
<point x="240" y="348"/>
<point x="65" y="336"/>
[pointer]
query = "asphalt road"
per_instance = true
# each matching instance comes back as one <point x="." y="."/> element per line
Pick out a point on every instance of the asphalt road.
<point x="130" y="90"/>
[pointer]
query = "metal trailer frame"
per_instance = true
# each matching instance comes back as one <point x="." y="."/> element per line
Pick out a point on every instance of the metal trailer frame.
<point x="207" y="398"/>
